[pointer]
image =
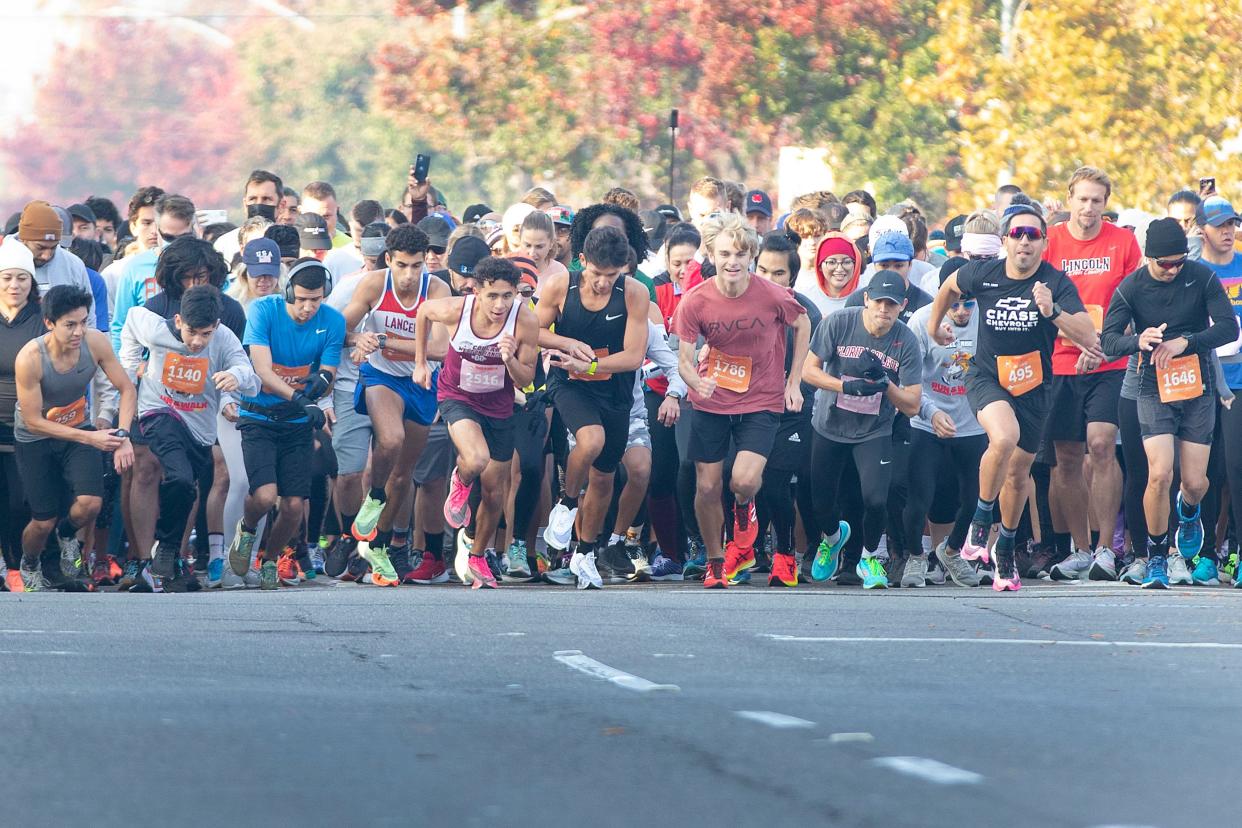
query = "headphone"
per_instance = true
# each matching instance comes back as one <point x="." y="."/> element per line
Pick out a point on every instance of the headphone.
<point x="301" y="267"/>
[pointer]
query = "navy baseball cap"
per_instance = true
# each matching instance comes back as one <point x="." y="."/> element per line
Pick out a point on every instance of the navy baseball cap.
<point x="467" y="252"/>
<point x="757" y="201"/>
<point x="954" y="229"/>
<point x="287" y="239"/>
<point x="261" y="257"/>
<point x="886" y="284"/>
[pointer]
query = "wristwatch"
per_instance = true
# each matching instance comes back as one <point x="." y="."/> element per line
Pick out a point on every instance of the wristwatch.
<point x="383" y="340"/>
<point x="122" y="433"/>
<point x="594" y="365"/>
<point x="1056" y="311"/>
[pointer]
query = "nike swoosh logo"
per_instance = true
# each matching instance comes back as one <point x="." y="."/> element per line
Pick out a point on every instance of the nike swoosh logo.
<point x="322" y="331"/>
<point x="885" y="462"/>
<point x="611" y="318"/>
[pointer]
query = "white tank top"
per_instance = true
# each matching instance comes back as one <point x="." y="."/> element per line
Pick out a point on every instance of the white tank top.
<point x="396" y="320"/>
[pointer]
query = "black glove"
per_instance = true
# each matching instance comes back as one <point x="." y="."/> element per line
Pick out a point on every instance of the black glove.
<point x="873" y="366"/>
<point x="315" y="416"/>
<point x="862" y="387"/>
<point x="318" y="384"/>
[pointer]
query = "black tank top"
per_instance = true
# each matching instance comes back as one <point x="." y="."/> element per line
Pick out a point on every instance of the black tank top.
<point x="604" y="331"/>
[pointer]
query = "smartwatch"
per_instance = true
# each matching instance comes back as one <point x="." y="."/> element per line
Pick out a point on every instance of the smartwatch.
<point x="1056" y="311"/>
<point x="594" y="365"/>
<point x="122" y="433"/>
<point x="383" y="340"/>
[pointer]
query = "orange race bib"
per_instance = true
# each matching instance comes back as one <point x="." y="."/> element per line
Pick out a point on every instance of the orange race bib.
<point x="1096" y="312"/>
<point x="397" y="356"/>
<point x="72" y="415"/>
<point x="185" y="374"/>
<point x="1182" y="380"/>
<point x="1021" y="373"/>
<point x="295" y="376"/>
<point x="600" y="376"/>
<point x="730" y="372"/>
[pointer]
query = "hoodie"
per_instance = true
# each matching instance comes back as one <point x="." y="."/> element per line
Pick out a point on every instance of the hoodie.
<point x="817" y="291"/>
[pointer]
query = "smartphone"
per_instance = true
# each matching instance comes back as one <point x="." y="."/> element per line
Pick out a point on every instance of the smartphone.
<point x="421" y="165"/>
<point x="1207" y="186"/>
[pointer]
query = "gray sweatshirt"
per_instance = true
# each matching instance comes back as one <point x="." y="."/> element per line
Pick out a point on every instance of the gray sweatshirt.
<point x="944" y="369"/>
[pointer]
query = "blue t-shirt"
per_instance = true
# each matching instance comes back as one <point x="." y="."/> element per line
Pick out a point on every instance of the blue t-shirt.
<point x="134" y="287"/>
<point x="1230" y="276"/>
<point x="100" y="289"/>
<point x="298" y="351"/>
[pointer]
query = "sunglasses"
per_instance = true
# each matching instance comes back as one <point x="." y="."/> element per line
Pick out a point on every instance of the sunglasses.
<point x="1032" y="233"/>
<point x="969" y="304"/>
<point x="439" y="251"/>
<point x="529" y="292"/>
<point x="168" y="237"/>
<point x="1170" y="264"/>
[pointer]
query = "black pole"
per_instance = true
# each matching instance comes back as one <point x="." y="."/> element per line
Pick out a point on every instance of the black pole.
<point x="672" y="151"/>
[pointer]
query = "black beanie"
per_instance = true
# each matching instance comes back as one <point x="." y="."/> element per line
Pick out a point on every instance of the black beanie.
<point x="1165" y="237"/>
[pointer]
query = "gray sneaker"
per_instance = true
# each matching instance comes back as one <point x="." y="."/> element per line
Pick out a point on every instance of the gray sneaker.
<point x="962" y="573"/>
<point x="1103" y="565"/>
<point x="1135" y="573"/>
<point x="915" y="572"/>
<point x="70" y="555"/>
<point x="1179" y="573"/>
<point x="1073" y="568"/>
<point x="33" y="580"/>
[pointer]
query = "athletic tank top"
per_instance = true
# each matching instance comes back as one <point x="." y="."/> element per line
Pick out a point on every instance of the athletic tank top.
<point x="604" y="332"/>
<point x="473" y="371"/>
<point x="391" y="317"/>
<point x="64" y="395"/>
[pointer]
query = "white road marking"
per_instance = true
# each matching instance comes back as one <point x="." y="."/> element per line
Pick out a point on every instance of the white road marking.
<point x="588" y="665"/>
<point x="672" y="655"/>
<point x="512" y="634"/>
<point x="837" y="738"/>
<point x="1040" y="642"/>
<point x="777" y="720"/>
<point x="40" y="632"/>
<point x="929" y="770"/>
<point x="38" y="652"/>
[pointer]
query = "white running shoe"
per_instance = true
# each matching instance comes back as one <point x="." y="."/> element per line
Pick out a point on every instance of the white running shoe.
<point x="1073" y="568"/>
<point x="231" y="580"/>
<point x="1136" y="572"/>
<point x="583" y="566"/>
<point x="1179" y="573"/>
<point x="461" y="560"/>
<point x="560" y="526"/>
<point x="1103" y="565"/>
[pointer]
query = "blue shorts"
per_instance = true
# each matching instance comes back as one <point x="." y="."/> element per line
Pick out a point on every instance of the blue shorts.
<point x="420" y="403"/>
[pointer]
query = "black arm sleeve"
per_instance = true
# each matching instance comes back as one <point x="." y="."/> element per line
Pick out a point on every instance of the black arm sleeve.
<point x="1114" y="340"/>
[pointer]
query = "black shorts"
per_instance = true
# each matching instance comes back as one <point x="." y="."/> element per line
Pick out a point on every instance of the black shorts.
<point x="55" y="472"/>
<point x="497" y="433"/>
<point x="1191" y="420"/>
<point x="438" y="455"/>
<point x="1080" y="399"/>
<point x="579" y="408"/>
<point x="277" y="453"/>
<point x="793" y="440"/>
<point x="1030" y="409"/>
<point x="530" y="433"/>
<point x="709" y="434"/>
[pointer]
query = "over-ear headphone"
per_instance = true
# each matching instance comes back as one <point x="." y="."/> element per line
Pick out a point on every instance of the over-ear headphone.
<point x="302" y="267"/>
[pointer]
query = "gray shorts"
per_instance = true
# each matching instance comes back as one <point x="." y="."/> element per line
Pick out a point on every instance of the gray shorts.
<point x="1191" y="420"/>
<point x="639" y="434"/>
<point x="437" y="458"/>
<point x="351" y="435"/>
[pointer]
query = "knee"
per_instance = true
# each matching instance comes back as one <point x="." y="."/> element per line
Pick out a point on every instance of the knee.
<point x="1195" y="483"/>
<point x="147" y="470"/>
<point x="590" y="441"/>
<point x="1103" y="451"/>
<point x="291" y="505"/>
<point x="42" y="527"/>
<point x="1160" y="477"/>
<point x="745" y="486"/>
<point x="638" y="474"/>
<point x="88" y="506"/>
<point x="472" y="465"/>
<point x="707" y="488"/>
<point x="264" y="498"/>
<point x="388" y="444"/>
<point x="1004" y="443"/>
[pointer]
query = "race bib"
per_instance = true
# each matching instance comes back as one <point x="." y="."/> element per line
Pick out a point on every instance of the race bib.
<point x="1096" y="312"/>
<point x="295" y="376"/>
<point x="869" y="404"/>
<point x="600" y="376"/>
<point x="397" y="356"/>
<point x="72" y="415"/>
<point x="1182" y="380"/>
<point x="730" y="372"/>
<point x="185" y="374"/>
<point x="482" y="379"/>
<point x="1020" y="374"/>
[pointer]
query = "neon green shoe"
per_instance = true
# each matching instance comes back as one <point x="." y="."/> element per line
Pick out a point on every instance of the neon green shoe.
<point x="1230" y="567"/>
<point x="871" y="570"/>
<point x="382" y="571"/>
<point x="367" y="519"/>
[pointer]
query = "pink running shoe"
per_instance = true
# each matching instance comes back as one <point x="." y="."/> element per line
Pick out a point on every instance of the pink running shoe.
<point x="457" y="507"/>
<point x="481" y="573"/>
<point x="976" y="546"/>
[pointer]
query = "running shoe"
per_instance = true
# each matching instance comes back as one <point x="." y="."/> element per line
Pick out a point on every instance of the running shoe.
<point x="638" y="562"/>
<point x="1040" y="563"/>
<point x="480" y="573"/>
<point x="70" y="555"/>
<point x="871" y="572"/>
<point x="936" y="575"/>
<point x="614" y="565"/>
<point x="428" y="571"/>
<point x="561" y="574"/>
<point x="1103" y="565"/>
<point x="318" y="552"/>
<point x="914" y="574"/>
<point x="335" y="564"/>
<point x="33" y="581"/>
<point x="738" y="559"/>
<point x="984" y="572"/>
<point x="229" y="580"/>
<point x="542" y="564"/>
<point x="849" y="575"/>
<point x="1073" y="568"/>
<point x="976" y="546"/>
<point x="147" y="583"/>
<point x="1157" y="576"/>
<point x="240" y="550"/>
<point x="1230" y="567"/>
<point x="493" y="561"/>
<point x="13" y="580"/>
<point x="828" y="556"/>
<point x="163" y="561"/>
<point x="130" y="574"/>
<point x="696" y="560"/>
<point x="713" y="576"/>
<point x="962" y="573"/>
<point x="664" y="568"/>
<point x="269" y="575"/>
<point x="784" y="571"/>
<point x="382" y="573"/>
<point x="457" y="507"/>
<point x="1205" y="573"/>
<point x="1006" y="577"/>
<point x="584" y="569"/>
<point x="894" y="567"/>
<point x="560" y="528"/>
<point x="286" y="570"/>
<point x="745" y="526"/>
<point x="461" y="557"/>
<point x="399" y="557"/>
<point x="519" y="562"/>
<point x="1189" y="532"/>
<point x="101" y="572"/>
<point x="1178" y="570"/>
<point x="1135" y="573"/>
<point x="365" y="523"/>
<point x="357" y="570"/>
<point x="215" y="572"/>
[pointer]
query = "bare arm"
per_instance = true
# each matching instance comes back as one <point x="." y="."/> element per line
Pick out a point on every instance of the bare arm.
<point x="551" y="302"/>
<point x="637" y="301"/>
<point x="365" y="296"/>
<point x="437" y="341"/>
<point x="521" y="361"/>
<point x="813" y="373"/>
<point x="271" y="382"/>
<point x="905" y="399"/>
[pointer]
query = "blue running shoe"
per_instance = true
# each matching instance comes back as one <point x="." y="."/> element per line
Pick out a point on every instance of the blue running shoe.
<point x="742" y="577"/>
<point x="664" y="568"/>
<point x="696" y="559"/>
<point x="1189" y="532"/>
<point x="1205" y="573"/>
<point x="215" y="573"/>
<point x="1157" y="573"/>
<point x="828" y="557"/>
<point x="871" y="570"/>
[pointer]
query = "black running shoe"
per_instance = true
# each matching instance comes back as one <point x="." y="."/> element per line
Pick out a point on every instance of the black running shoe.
<point x="399" y="557"/>
<point x="142" y="583"/>
<point x="338" y="556"/>
<point x="164" y="565"/>
<point x="847" y="576"/>
<point x="356" y="569"/>
<point x="617" y="560"/>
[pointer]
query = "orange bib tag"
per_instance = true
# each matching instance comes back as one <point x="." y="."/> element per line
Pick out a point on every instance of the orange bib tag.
<point x="397" y="356"/>
<point x="1096" y="312"/>
<point x="1020" y="374"/>
<point x="72" y="415"/>
<point x="185" y="374"/>
<point x="1182" y="380"/>
<point x="599" y="375"/>
<point x="730" y="372"/>
<point x="295" y="376"/>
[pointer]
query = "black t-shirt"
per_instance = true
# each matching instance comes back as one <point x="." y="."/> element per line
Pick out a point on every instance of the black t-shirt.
<point x="14" y="335"/>
<point x="916" y="298"/>
<point x="1010" y="323"/>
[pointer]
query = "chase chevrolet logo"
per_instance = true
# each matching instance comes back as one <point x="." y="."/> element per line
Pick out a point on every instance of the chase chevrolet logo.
<point x="1012" y="313"/>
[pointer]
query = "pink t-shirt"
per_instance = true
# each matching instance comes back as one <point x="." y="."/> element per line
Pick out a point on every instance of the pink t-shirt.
<point x="746" y="338"/>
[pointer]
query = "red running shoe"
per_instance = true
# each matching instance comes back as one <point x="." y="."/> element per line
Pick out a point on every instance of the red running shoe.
<point x="745" y="525"/>
<point x="428" y="571"/>
<point x="738" y="559"/>
<point x="784" y="571"/>
<point x="714" y="577"/>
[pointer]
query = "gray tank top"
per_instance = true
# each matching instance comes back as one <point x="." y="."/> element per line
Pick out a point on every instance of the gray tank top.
<point x="64" y="395"/>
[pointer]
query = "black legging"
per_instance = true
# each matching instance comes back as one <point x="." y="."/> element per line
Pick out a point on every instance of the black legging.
<point x="873" y="460"/>
<point x="1231" y="432"/>
<point x="15" y="513"/>
<point x="530" y="433"/>
<point x="931" y="460"/>
<point x="775" y="505"/>
<point x="899" y="475"/>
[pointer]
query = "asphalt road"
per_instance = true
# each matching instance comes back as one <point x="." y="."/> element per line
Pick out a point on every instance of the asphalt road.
<point x="1063" y="705"/>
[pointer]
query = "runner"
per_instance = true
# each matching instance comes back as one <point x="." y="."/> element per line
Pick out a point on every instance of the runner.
<point x="1181" y="313"/>
<point x="295" y="345"/>
<point x="1022" y="301"/>
<point x="738" y="391"/>
<point x="493" y="349"/>
<point x="400" y="411"/>
<point x="1096" y="255"/>
<point x="59" y="451"/>
<point x="599" y="342"/>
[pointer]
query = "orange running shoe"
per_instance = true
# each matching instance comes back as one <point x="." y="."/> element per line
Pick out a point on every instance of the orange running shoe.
<point x="287" y="569"/>
<point x="745" y="525"/>
<point x="784" y="570"/>
<point x="714" y="577"/>
<point x="14" y="580"/>
<point x="738" y="559"/>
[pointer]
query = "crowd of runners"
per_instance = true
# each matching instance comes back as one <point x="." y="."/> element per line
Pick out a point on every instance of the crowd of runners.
<point x="612" y="394"/>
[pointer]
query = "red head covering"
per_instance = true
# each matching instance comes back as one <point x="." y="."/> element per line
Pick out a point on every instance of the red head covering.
<point x="837" y="245"/>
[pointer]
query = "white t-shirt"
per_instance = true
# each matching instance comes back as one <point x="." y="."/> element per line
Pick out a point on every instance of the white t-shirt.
<point x="342" y="261"/>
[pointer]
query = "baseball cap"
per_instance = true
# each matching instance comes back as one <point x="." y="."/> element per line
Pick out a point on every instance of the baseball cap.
<point x="757" y="201"/>
<point x="466" y="254"/>
<point x="474" y="212"/>
<point x="891" y="247"/>
<point x="670" y="212"/>
<point x="82" y="212"/>
<point x="1215" y="210"/>
<point x="655" y="225"/>
<point x="10" y="226"/>
<point x="374" y="238"/>
<point x="39" y="222"/>
<point x="954" y="229"/>
<point x="1015" y="210"/>
<point x="313" y="232"/>
<point x="437" y="230"/>
<point x="261" y="257"/>
<point x="287" y="239"/>
<point x="886" y="284"/>
<point x="562" y="215"/>
<point x="889" y="224"/>
<point x="66" y="226"/>
<point x="515" y="215"/>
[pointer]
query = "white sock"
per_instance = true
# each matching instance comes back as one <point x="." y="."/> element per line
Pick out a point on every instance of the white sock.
<point x="615" y="538"/>
<point x="215" y="545"/>
<point x="834" y="538"/>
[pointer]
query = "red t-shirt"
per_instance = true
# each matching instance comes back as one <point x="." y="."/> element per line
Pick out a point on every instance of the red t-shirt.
<point x="746" y="338"/>
<point x="1095" y="267"/>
